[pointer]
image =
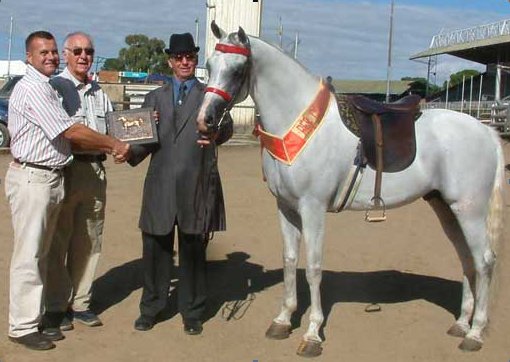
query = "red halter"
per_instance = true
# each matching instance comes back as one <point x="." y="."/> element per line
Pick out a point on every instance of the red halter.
<point x="231" y="49"/>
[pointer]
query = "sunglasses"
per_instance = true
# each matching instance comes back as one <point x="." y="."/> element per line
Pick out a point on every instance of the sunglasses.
<point x="180" y="57"/>
<point x="78" y="51"/>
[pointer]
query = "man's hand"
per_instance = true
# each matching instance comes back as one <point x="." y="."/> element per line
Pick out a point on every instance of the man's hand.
<point x="206" y="139"/>
<point x="121" y="151"/>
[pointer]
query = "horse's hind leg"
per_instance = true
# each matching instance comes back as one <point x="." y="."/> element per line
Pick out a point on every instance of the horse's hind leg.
<point x="477" y="260"/>
<point x="453" y="231"/>
<point x="290" y="224"/>
<point x="475" y="230"/>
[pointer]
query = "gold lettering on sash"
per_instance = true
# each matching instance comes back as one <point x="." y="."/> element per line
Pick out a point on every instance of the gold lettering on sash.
<point x="305" y="126"/>
<point x="288" y="147"/>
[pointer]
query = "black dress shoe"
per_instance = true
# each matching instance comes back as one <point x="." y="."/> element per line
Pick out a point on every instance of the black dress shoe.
<point x="50" y="325"/>
<point x="144" y="323"/>
<point x="34" y="341"/>
<point x="53" y="333"/>
<point x="193" y="327"/>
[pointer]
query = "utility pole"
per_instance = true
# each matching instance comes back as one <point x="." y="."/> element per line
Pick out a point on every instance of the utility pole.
<point x="9" y="51"/>
<point x="428" y="77"/>
<point x="388" y="69"/>
<point x="197" y="32"/>
<point x="296" y="43"/>
<point x="280" y="31"/>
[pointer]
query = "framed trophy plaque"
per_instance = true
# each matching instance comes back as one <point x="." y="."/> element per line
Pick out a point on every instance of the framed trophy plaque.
<point x="135" y="126"/>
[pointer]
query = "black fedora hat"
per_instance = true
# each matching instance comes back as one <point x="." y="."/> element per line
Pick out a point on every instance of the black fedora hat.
<point x="181" y="43"/>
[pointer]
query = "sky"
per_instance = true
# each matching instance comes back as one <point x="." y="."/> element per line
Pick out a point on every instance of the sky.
<point x="346" y="39"/>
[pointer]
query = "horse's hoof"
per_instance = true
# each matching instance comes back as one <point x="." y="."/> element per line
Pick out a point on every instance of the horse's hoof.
<point x="309" y="349"/>
<point x="471" y="344"/>
<point x="458" y="330"/>
<point x="278" y="331"/>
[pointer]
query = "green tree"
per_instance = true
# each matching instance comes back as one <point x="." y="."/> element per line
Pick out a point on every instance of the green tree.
<point x="419" y="86"/>
<point x="456" y="78"/>
<point x="113" y="64"/>
<point x="141" y="55"/>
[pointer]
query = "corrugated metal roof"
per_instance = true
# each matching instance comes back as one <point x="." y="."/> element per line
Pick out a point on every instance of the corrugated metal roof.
<point x="370" y="86"/>
<point x="485" y="44"/>
<point x="471" y="50"/>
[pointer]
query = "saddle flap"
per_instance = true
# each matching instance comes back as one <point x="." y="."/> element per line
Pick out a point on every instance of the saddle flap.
<point x="397" y="123"/>
<point x="399" y="144"/>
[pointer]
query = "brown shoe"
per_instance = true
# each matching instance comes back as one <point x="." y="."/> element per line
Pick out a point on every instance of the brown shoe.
<point x="35" y="341"/>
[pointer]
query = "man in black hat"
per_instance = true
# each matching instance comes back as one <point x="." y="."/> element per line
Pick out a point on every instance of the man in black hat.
<point x="182" y="191"/>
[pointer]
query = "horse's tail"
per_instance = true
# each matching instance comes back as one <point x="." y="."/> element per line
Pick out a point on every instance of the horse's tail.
<point x="495" y="215"/>
<point x="494" y="221"/>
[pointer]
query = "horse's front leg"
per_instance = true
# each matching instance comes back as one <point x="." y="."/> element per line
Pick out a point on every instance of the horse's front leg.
<point x="313" y="217"/>
<point x="290" y="224"/>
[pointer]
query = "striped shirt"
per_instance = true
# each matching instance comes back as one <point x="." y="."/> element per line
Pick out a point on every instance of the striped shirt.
<point x="36" y="122"/>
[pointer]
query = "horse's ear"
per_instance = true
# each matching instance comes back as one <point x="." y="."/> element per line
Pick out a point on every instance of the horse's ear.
<point x="217" y="32"/>
<point x="243" y="38"/>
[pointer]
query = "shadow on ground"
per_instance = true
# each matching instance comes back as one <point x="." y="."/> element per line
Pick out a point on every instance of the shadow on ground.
<point x="234" y="282"/>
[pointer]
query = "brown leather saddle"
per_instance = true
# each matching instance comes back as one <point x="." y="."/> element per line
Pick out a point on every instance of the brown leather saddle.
<point x="396" y="123"/>
<point x="386" y="132"/>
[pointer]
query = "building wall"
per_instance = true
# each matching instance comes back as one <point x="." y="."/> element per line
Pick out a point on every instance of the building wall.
<point x="229" y="15"/>
<point x="14" y="67"/>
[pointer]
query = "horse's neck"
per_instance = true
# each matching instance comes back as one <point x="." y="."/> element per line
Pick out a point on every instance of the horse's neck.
<point x="280" y="87"/>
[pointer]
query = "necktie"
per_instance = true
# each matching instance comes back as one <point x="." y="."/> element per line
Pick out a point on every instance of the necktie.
<point x="182" y="94"/>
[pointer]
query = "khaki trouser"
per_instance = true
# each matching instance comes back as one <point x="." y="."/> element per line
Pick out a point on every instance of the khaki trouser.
<point x="35" y="197"/>
<point x="76" y="246"/>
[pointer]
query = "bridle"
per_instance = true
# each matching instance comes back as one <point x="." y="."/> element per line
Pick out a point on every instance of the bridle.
<point x="227" y="97"/>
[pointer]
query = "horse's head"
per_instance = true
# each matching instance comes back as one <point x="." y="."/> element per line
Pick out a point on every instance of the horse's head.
<point x="228" y="82"/>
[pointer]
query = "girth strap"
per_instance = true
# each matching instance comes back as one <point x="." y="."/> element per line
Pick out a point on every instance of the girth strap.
<point x="379" y="145"/>
<point x="379" y="166"/>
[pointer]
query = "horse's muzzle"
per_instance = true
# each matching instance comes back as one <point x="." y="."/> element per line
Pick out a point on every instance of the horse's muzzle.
<point x="206" y="125"/>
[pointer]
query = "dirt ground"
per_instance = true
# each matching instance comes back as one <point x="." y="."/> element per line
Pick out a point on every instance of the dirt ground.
<point x="406" y="265"/>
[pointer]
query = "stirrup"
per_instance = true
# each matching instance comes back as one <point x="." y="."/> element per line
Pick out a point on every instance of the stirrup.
<point x="379" y="218"/>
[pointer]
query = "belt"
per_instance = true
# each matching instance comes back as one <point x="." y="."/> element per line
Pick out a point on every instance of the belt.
<point x="89" y="158"/>
<point x="40" y="167"/>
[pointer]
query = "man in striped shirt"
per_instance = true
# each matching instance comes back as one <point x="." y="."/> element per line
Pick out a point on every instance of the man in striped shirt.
<point x="41" y="138"/>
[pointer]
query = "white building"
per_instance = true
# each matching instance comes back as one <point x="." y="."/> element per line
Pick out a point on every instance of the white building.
<point x="13" y="67"/>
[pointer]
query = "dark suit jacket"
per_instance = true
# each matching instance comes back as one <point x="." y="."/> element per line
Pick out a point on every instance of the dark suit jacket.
<point x="182" y="184"/>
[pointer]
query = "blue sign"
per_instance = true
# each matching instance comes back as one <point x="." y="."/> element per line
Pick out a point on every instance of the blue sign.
<point x="133" y="74"/>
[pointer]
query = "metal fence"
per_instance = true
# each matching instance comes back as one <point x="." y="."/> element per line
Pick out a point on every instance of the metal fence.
<point x="495" y="114"/>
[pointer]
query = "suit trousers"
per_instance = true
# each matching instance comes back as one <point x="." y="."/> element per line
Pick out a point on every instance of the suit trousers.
<point x="35" y="197"/>
<point x="158" y="269"/>
<point x="76" y="248"/>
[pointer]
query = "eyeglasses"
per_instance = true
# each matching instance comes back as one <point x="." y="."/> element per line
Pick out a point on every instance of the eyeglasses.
<point x="180" y="57"/>
<point x="78" y="51"/>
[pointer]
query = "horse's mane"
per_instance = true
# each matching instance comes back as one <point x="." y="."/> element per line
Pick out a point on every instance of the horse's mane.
<point x="233" y="38"/>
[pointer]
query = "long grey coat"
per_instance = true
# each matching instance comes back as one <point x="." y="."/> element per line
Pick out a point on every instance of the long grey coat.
<point x="182" y="184"/>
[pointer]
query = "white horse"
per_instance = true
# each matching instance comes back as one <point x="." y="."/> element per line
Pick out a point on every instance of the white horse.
<point x="458" y="160"/>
